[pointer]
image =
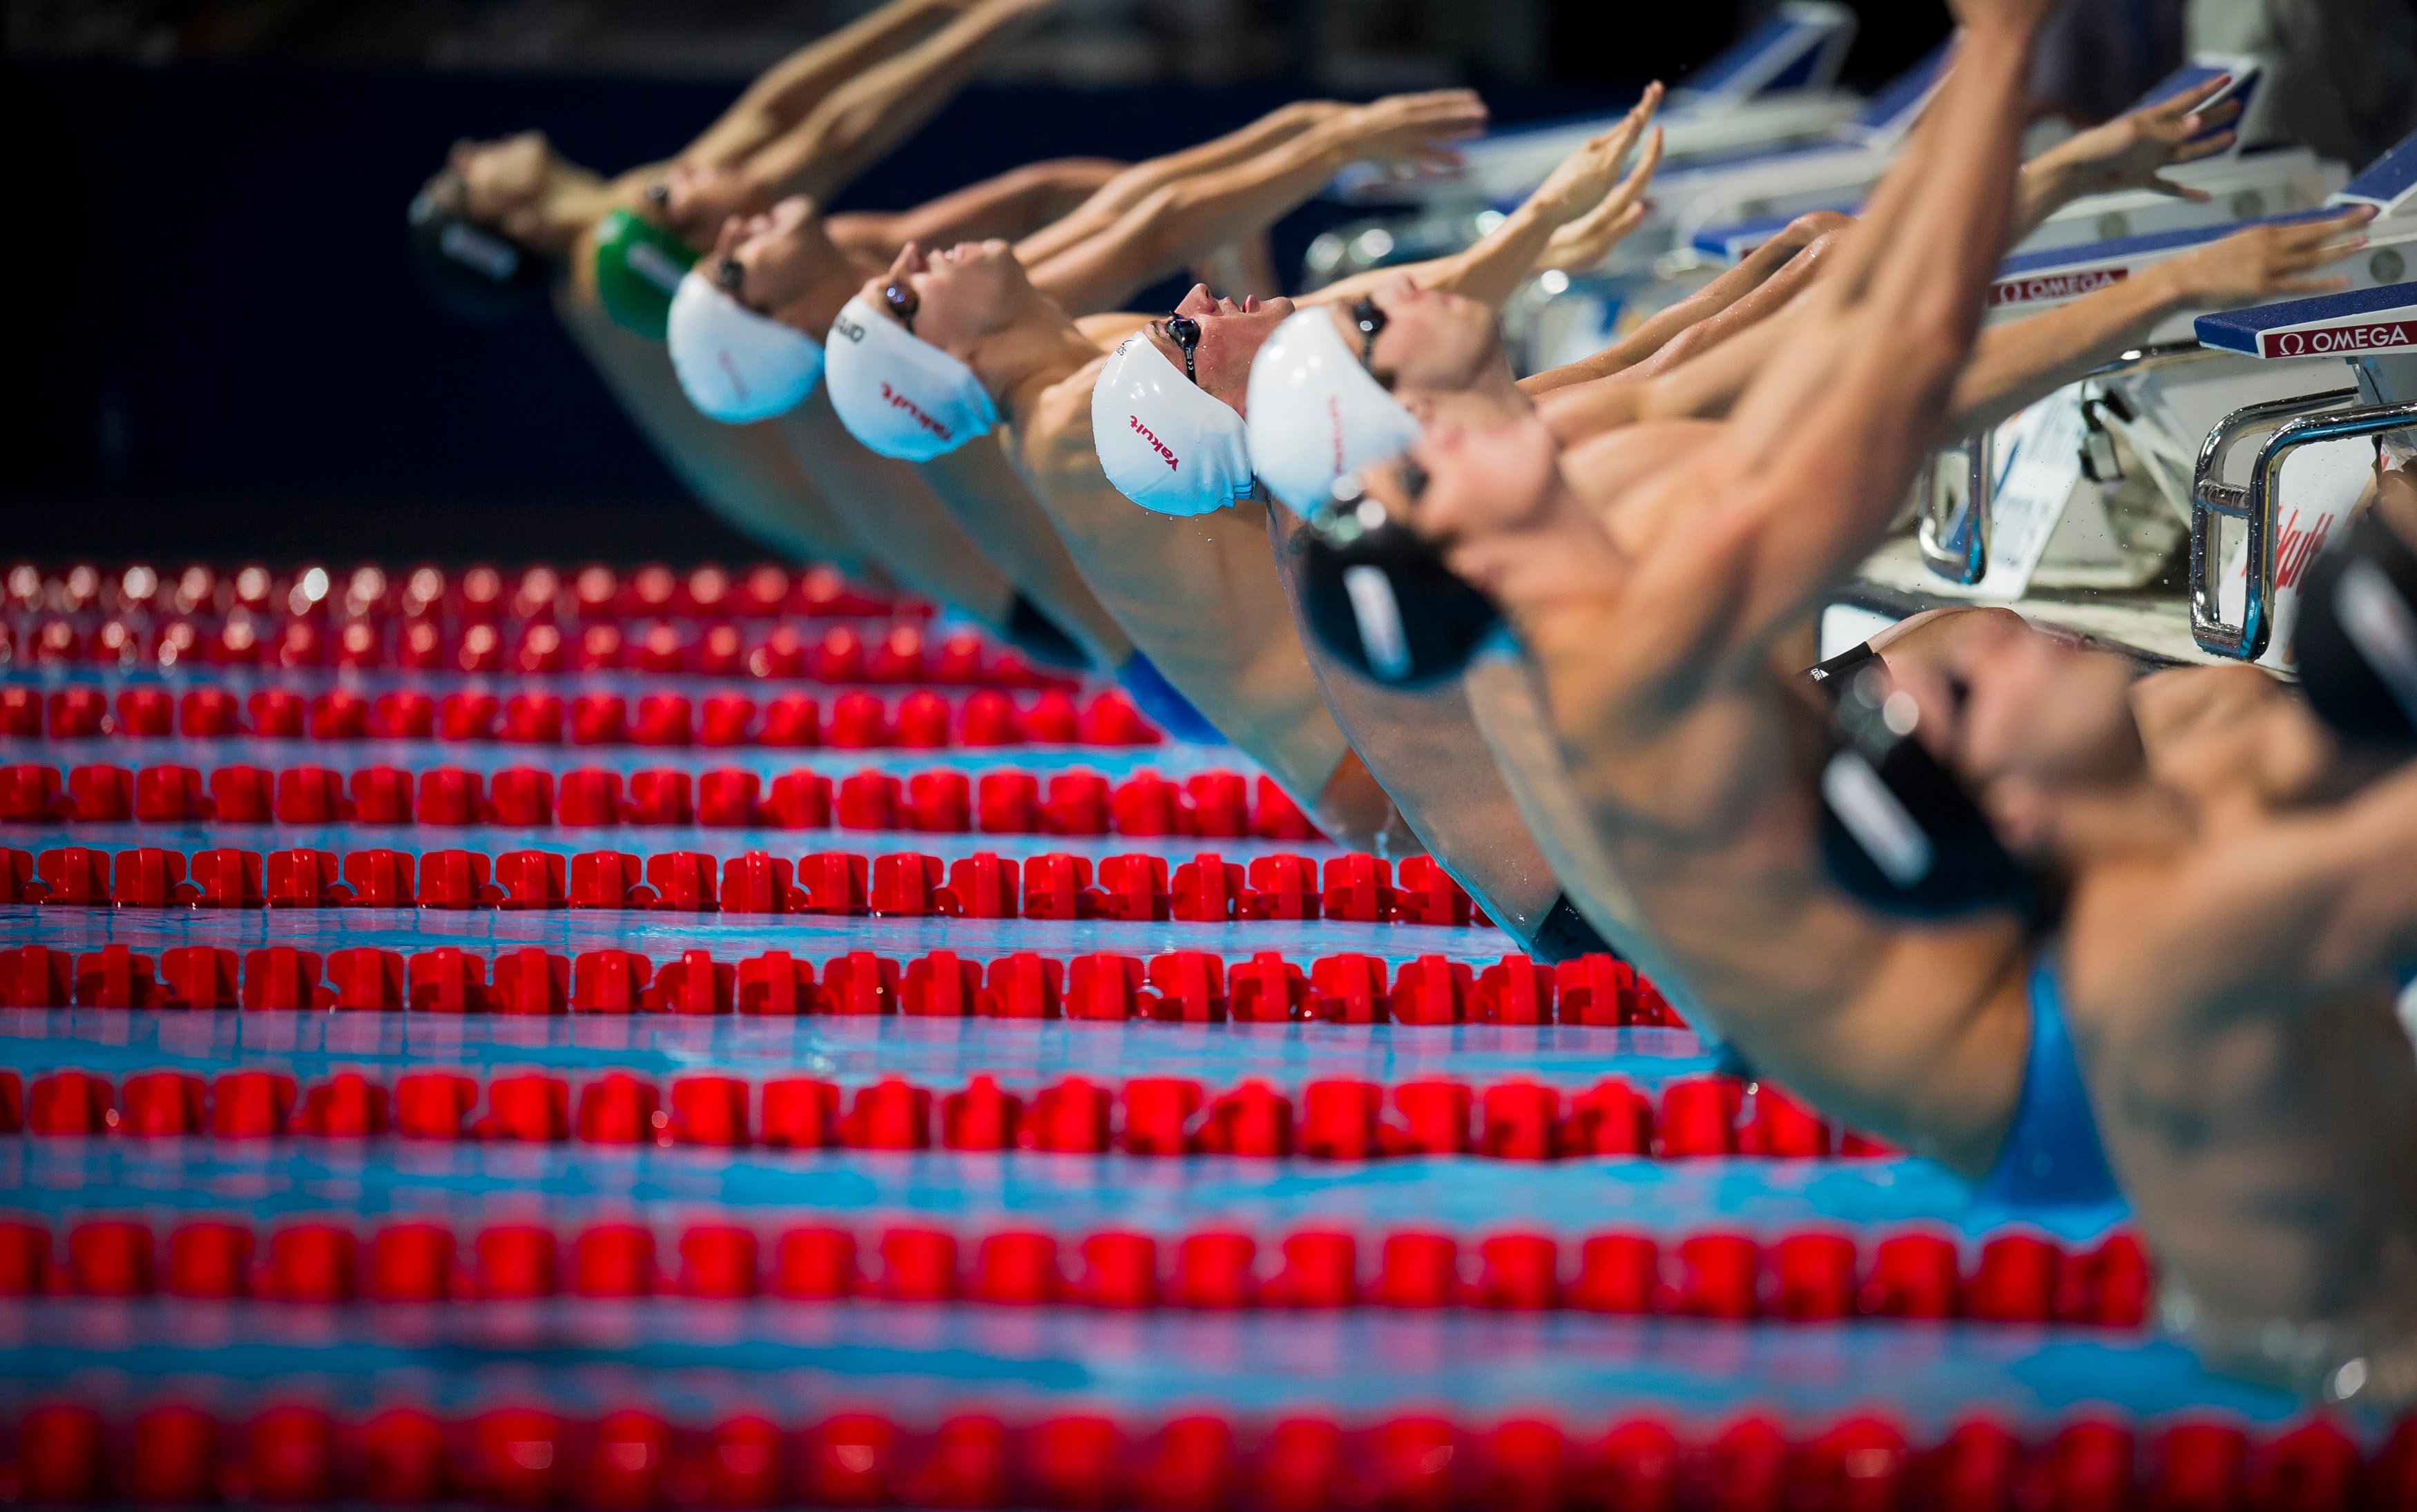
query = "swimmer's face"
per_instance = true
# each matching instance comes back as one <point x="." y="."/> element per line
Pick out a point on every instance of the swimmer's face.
<point x="1430" y="340"/>
<point x="1465" y="488"/>
<point x="503" y="183"/>
<point x="960" y="295"/>
<point x="769" y="262"/>
<point x="2029" y="719"/>
<point x="1231" y="335"/>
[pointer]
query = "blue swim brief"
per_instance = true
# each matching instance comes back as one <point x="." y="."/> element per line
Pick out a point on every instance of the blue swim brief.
<point x="2052" y="1156"/>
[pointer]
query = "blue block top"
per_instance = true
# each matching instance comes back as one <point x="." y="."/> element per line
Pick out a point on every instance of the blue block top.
<point x="1799" y="46"/>
<point x="2331" y="325"/>
<point x="2129" y="249"/>
<point x="2389" y="183"/>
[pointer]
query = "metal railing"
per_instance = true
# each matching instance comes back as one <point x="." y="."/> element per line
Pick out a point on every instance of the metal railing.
<point x="1954" y="541"/>
<point x="2296" y="422"/>
<point x="1955" y="544"/>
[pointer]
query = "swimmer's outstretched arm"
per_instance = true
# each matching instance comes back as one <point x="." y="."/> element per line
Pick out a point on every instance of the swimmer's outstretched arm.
<point x="882" y="106"/>
<point x="1699" y="374"/>
<point x="783" y="94"/>
<point x="1504" y="258"/>
<point x="2129" y="152"/>
<point x="1191" y="217"/>
<point x="2019" y="363"/>
<point x="1108" y="203"/>
<point x="1822" y="443"/>
<point x="1659" y="331"/>
<point x="1010" y="205"/>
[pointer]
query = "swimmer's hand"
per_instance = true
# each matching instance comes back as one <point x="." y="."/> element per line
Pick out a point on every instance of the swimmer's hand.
<point x="1583" y="180"/>
<point x="2132" y="151"/>
<point x="1410" y="133"/>
<point x="2268" y="262"/>
<point x="1588" y="239"/>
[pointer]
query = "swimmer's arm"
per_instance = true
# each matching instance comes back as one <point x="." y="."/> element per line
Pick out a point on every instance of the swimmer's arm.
<point x="1702" y="389"/>
<point x="1822" y="443"/>
<point x="1111" y="200"/>
<point x="1698" y="375"/>
<point x="1188" y="218"/>
<point x="1504" y="258"/>
<point x="1668" y="329"/>
<point x="784" y="93"/>
<point x="2019" y="363"/>
<point x="879" y="108"/>
<point x="1048" y="414"/>
<point x="2128" y="152"/>
<point x="1009" y="204"/>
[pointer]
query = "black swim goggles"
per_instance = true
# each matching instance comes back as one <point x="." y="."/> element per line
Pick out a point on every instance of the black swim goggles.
<point x="1899" y="832"/>
<point x="1184" y="331"/>
<point x="1370" y="317"/>
<point x="903" y="303"/>
<point x="1378" y="596"/>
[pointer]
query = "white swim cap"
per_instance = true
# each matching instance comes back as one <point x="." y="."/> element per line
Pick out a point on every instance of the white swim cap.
<point x="734" y="364"/>
<point x="1316" y="413"/>
<point x="900" y="394"/>
<point x="1165" y="444"/>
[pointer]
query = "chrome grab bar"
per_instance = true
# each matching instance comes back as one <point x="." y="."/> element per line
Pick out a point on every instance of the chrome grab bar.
<point x="1957" y="546"/>
<point x="1962" y="556"/>
<point x="2296" y="422"/>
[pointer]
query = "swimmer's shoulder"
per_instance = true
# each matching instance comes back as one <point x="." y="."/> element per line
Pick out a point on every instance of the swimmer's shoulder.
<point x="1051" y="431"/>
<point x="1106" y="330"/>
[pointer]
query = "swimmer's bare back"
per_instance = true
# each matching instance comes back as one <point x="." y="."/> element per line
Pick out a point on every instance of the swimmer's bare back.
<point x="1197" y="595"/>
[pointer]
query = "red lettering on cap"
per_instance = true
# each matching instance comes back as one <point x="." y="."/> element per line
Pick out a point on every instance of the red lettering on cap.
<point x="1335" y="420"/>
<point x="2053" y="286"/>
<point x="2331" y="340"/>
<point x="1155" y="444"/>
<point x="914" y="410"/>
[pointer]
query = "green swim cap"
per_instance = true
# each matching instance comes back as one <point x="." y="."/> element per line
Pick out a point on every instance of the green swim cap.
<point x="638" y="266"/>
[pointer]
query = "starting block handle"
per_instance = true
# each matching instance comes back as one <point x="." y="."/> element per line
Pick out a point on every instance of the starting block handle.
<point x="1959" y="555"/>
<point x="2295" y="422"/>
<point x="1963" y="558"/>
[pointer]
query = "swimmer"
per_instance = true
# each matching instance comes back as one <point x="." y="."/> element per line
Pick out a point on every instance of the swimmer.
<point x="2237" y="920"/>
<point x="1198" y="593"/>
<point x="504" y="219"/>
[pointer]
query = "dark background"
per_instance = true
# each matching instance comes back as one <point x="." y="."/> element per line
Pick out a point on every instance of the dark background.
<point x="216" y="345"/>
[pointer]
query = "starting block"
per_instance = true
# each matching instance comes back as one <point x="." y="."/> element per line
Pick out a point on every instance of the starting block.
<point x="2244" y="594"/>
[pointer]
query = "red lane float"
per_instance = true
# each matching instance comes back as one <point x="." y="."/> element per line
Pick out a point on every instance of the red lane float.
<point x="1139" y="887"/>
<point x="1331" y="1119"/>
<point x="1213" y="804"/>
<point x="851" y="720"/>
<point x="277" y="1442"/>
<point x="1817" y="1274"/>
<point x="480" y="594"/>
<point x="1178" y="987"/>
